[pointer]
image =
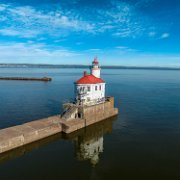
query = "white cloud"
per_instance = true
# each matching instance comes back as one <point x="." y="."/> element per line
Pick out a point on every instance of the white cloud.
<point x="21" y="33"/>
<point x="9" y="32"/>
<point x="121" y="19"/>
<point x="3" y="7"/>
<point x="94" y="49"/>
<point x="30" y="51"/>
<point x="121" y="47"/>
<point x="122" y="34"/>
<point x="120" y="55"/>
<point x="164" y="35"/>
<point x="152" y="34"/>
<point x="26" y="21"/>
<point x="124" y="20"/>
<point x="125" y="49"/>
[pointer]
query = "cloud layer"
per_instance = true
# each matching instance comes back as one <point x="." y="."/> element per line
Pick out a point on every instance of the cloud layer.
<point x="120" y="20"/>
<point x="78" y="29"/>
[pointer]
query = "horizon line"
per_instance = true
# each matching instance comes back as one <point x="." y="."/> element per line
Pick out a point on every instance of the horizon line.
<point x="82" y="66"/>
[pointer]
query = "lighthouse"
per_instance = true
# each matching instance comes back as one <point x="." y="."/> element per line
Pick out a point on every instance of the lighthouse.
<point x="90" y="89"/>
<point x="95" y="69"/>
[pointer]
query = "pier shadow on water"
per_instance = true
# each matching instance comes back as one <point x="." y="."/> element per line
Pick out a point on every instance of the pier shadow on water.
<point x="87" y="142"/>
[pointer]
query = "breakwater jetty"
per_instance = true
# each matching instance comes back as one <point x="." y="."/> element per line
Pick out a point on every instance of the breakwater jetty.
<point x="26" y="78"/>
<point x="14" y="137"/>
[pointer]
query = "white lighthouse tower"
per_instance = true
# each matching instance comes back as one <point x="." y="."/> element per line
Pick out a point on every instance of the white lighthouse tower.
<point x="90" y="89"/>
<point x="95" y="70"/>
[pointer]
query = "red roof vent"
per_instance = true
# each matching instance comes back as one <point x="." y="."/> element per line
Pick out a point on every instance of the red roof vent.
<point x="85" y="73"/>
<point x="89" y="79"/>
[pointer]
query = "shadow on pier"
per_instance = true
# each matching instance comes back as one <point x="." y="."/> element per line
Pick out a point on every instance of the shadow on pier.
<point x="88" y="142"/>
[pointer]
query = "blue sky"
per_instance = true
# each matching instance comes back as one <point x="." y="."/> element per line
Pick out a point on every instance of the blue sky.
<point x="119" y="32"/>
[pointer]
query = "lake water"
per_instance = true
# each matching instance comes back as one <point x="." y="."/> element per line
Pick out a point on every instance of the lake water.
<point x="143" y="142"/>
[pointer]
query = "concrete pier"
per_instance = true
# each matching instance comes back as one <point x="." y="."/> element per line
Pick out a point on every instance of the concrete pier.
<point x="13" y="137"/>
<point x="16" y="136"/>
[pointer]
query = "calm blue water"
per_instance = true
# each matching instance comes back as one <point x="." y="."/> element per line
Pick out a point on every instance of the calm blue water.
<point x="143" y="142"/>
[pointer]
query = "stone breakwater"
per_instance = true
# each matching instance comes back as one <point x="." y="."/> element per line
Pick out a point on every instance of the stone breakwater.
<point x="13" y="137"/>
<point x="26" y="78"/>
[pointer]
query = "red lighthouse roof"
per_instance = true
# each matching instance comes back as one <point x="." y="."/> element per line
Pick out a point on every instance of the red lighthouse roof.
<point x="89" y="79"/>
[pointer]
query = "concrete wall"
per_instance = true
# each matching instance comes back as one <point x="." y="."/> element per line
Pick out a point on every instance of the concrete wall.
<point x="91" y="115"/>
<point x="96" y="113"/>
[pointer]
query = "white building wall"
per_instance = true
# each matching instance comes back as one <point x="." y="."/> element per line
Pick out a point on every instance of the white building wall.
<point x="82" y="92"/>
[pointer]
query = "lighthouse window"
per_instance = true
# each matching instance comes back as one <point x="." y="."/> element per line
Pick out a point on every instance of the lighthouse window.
<point x="89" y="88"/>
<point x="99" y="87"/>
<point x="96" y="88"/>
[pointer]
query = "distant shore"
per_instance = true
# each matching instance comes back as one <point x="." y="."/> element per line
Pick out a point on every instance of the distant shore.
<point x="73" y="66"/>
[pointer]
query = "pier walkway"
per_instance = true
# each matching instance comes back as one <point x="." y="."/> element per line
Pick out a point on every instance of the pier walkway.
<point x="20" y="135"/>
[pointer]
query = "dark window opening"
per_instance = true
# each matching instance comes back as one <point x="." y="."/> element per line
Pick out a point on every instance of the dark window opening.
<point x="89" y="88"/>
<point x="79" y="115"/>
